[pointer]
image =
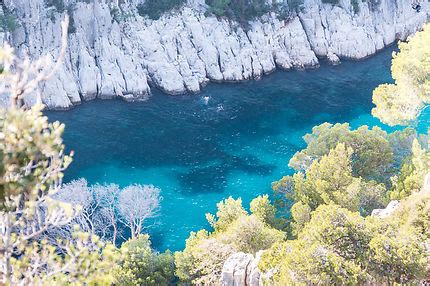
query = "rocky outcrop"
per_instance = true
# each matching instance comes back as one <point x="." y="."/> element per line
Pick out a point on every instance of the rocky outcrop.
<point x="426" y="185"/>
<point x="125" y="56"/>
<point x="395" y="205"/>
<point x="241" y="269"/>
<point x="389" y="209"/>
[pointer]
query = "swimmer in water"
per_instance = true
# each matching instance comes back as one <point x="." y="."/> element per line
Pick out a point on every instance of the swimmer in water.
<point x="206" y="99"/>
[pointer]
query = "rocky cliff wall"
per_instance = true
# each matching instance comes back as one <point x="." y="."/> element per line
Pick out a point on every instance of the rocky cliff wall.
<point x="110" y="56"/>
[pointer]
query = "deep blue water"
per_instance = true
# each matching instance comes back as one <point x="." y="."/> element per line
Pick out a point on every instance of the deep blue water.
<point x="236" y="144"/>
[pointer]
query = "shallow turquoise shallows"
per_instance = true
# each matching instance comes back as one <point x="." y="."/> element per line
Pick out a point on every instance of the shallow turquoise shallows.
<point x="229" y="140"/>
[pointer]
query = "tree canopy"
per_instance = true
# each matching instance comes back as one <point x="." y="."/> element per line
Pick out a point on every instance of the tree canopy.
<point x="401" y="102"/>
<point x="235" y="230"/>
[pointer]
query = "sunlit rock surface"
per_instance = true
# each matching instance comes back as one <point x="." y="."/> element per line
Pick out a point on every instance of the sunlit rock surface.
<point x="241" y="269"/>
<point x="183" y="50"/>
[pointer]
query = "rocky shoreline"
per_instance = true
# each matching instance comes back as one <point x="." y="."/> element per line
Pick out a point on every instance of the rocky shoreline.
<point x="184" y="50"/>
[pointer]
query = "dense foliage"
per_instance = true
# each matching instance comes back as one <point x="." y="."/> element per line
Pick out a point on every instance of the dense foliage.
<point x="247" y="10"/>
<point x="241" y="10"/>
<point x="333" y="243"/>
<point x="155" y="8"/>
<point x="338" y="246"/>
<point x="376" y="154"/>
<point x="8" y="21"/>
<point x="356" y="169"/>
<point x="402" y="101"/>
<point x="143" y="266"/>
<point x="411" y="176"/>
<point x="333" y="2"/>
<point x="32" y="161"/>
<point x="235" y="230"/>
<point x="58" y="5"/>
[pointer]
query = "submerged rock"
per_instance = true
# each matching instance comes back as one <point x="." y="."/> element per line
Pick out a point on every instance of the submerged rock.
<point x="110" y="56"/>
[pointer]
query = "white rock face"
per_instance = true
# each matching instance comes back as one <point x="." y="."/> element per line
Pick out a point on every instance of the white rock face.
<point x="389" y="209"/>
<point x="184" y="50"/>
<point x="394" y="205"/>
<point x="426" y="185"/>
<point x="240" y="269"/>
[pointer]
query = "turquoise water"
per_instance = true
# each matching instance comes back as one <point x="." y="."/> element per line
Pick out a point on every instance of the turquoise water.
<point x="235" y="144"/>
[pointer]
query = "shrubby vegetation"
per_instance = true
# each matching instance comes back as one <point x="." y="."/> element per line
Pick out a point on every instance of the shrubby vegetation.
<point x="143" y="266"/>
<point x="333" y="2"/>
<point x="246" y="10"/>
<point x="355" y="6"/>
<point x="241" y="10"/>
<point x="41" y="239"/>
<point x="414" y="169"/>
<point x="58" y="6"/>
<point x="402" y="101"/>
<point x="376" y="154"/>
<point x="234" y="230"/>
<point x="31" y="168"/>
<point x="354" y="169"/>
<point x="32" y="163"/>
<point x="155" y="8"/>
<point x="373" y="4"/>
<point x="332" y="242"/>
<point x="8" y="21"/>
<point x="338" y="246"/>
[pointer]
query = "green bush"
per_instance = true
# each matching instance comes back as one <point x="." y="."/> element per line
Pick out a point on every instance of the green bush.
<point x="355" y="6"/>
<point x="8" y="21"/>
<point x="155" y="8"/>
<point x="218" y="7"/>
<point x="295" y="5"/>
<point x="246" y="10"/>
<point x="57" y="4"/>
<point x="333" y="2"/>
<point x="119" y="15"/>
<point x="240" y="10"/>
<point x="60" y="7"/>
<point x="235" y="230"/>
<point x="143" y="266"/>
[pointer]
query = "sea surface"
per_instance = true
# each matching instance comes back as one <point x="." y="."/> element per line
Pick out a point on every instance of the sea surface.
<point x="228" y="140"/>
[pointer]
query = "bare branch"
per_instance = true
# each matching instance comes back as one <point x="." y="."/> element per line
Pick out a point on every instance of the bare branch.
<point x="20" y="78"/>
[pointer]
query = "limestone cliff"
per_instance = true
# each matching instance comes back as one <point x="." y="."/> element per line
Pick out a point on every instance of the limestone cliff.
<point x="110" y="56"/>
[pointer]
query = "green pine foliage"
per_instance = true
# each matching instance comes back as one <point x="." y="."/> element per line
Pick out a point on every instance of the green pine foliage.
<point x="241" y="10"/>
<point x="141" y="265"/>
<point x="235" y="230"/>
<point x="8" y="21"/>
<point x="401" y="103"/>
<point x="154" y="9"/>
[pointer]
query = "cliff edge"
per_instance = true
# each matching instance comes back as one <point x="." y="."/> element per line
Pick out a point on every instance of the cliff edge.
<point x="110" y="56"/>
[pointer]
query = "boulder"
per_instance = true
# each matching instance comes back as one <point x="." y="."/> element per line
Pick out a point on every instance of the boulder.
<point x="241" y="269"/>
<point x="389" y="209"/>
